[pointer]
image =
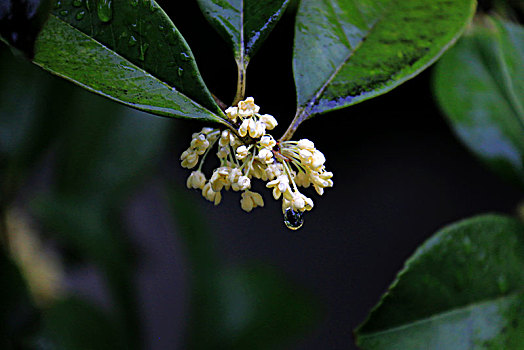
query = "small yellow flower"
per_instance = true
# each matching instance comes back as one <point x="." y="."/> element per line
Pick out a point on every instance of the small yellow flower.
<point x="196" y="180"/>
<point x="251" y="200"/>
<point x="210" y="195"/>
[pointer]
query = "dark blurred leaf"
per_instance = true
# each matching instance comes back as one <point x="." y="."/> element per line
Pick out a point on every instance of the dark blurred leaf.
<point x="32" y="108"/>
<point x="21" y="21"/>
<point x="244" y="24"/>
<point x="93" y="231"/>
<point x="249" y="307"/>
<point x="350" y="51"/>
<point x="462" y="289"/>
<point x="129" y="51"/>
<point x="18" y="315"/>
<point x="74" y="324"/>
<point x="238" y="307"/>
<point x="104" y="152"/>
<point x="480" y="87"/>
<point x="107" y="149"/>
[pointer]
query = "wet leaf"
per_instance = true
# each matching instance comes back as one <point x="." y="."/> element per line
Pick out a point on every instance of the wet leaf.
<point x="244" y="24"/>
<point x="349" y="51"/>
<point x="128" y="51"/>
<point x="462" y="289"/>
<point x="479" y="85"/>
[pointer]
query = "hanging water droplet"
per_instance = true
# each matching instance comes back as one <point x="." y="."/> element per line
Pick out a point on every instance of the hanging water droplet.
<point x="131" y="41"/>
<point x="293" y="219"/>
<point x="180" y="71"/>
<point x="80" y="15"/>
<point x="143" y="49"/>
<point x="63" y="13"/>
<point x="77" y="3"/>
<point x="133" y="3"/>
<point x="105" y="10"/>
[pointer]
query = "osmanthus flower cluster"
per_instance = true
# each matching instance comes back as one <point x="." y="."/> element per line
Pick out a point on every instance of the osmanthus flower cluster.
<point x="248" y="152"/>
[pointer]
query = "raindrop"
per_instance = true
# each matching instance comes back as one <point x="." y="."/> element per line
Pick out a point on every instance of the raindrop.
<point x="161" y="27"/>
<point x="80" y="15"/>
<point x="185" y="56"/>
<point x="180" y="72"/>
<point x="104" y="10"/>
<point x="58" y="4"/>
<point x="143" y="50"/>
<point x="77" y="3"/>
<point x="63" y="13"/>
<point x="293" y="219"/>
<point x="132" y="41"/>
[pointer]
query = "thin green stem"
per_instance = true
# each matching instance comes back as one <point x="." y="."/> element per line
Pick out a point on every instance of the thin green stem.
<point x="241" y="81"/>
<point x="300" y="116"/>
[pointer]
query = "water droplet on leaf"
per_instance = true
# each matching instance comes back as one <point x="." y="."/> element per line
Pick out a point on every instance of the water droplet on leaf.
<point x="77" y="3"/>
<point x="293" y="219"/>
<point x="180" y="72"/>
<point x="105" y="10"/>
<point x="58" y="4"/>
<point x="185" y="56"/>
<point x="63" y="13"/>
<point x="132" y="41"/>
<point x="80" y="15"/>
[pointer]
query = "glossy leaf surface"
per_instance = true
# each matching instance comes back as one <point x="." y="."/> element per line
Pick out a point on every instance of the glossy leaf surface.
<point x="462" y="289"/>
<point x="244" y="24"/>
<point x="129" y="51"/>
<point x="479" y="85"/>
<point x="348" y="51"/>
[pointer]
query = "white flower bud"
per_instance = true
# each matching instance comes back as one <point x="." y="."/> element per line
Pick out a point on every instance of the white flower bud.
<point x="306" y="144"/>
<point x="241" y="152"/>
<point x="251" y="200"/>
<point x="267" y="141"/>
<point x="269" y="121"/>
<point x="210" y="195"/>
<point x="196" y="180"/>
<point x="266" y="155"/>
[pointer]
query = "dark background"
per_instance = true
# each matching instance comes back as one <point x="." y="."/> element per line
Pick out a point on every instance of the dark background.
<point x="400" y="175"/>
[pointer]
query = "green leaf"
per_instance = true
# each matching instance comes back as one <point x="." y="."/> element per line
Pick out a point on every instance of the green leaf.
<point x="479" y="85"/>
<point x="126" y="50"/>
<point x="244" y="24"/>
<point x="462" y="289"/>
<point x="348" y="51"/>
<point x="74" y="324"/>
